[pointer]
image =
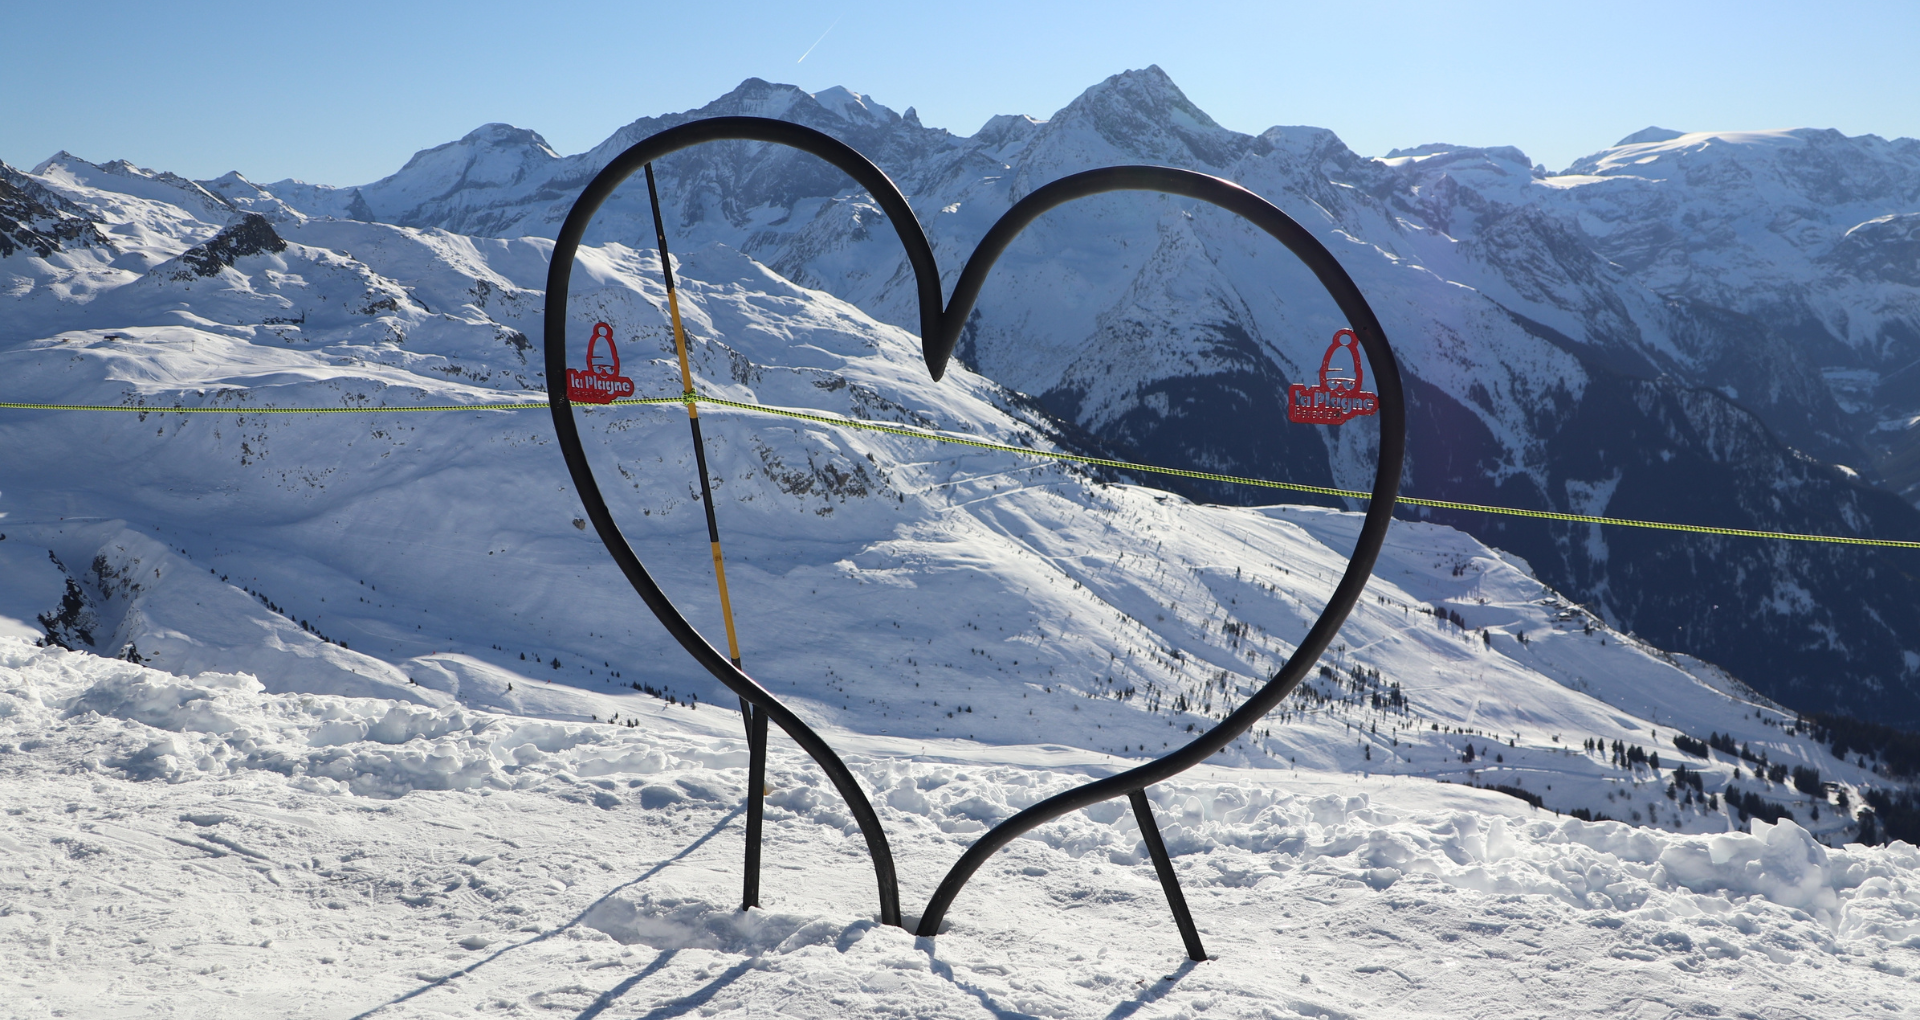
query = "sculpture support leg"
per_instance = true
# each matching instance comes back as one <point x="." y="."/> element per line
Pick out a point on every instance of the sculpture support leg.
<point x="756" y="803"/>
<point x="1157" y="849"/>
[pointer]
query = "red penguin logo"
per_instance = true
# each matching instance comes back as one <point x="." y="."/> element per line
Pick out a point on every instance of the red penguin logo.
<point x="1339" y="397"/>
<point x="601" y="381"/>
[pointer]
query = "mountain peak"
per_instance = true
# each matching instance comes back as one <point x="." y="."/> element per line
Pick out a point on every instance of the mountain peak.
<point x="1150" y="80"/>
<point x="1422" y="153"/>
<point x="63" y="168"/>
<point x="1649" y="134"/>
<point x="1142" y="114"/>
<point x="34" y="217"/>
<point x="757" y="97"/>
<point x="1148" y="88"/>
<point x="251" y="234"/>
<point x="488" y="157"/>
<point x="1006" y="129"/>
<point x="60" y="158"/>
<point x="506" y="136"/>
<point x="248" y="197"/>
<point x="853" y="106"/>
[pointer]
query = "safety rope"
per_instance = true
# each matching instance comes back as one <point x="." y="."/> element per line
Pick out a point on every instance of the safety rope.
<point x="361" y="409"/>
<point x="1118" y="465"/>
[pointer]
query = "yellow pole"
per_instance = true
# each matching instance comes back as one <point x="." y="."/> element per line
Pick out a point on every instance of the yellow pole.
<point x="693" y="419"/>
<point x="755" y="718"/>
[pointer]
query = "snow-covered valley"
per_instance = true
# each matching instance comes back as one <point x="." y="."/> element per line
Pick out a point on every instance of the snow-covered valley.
<point x="331" y="739"/>
<point x="1714" y="327"/>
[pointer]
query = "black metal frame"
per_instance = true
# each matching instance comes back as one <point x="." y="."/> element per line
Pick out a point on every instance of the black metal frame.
<point x="1163" y="867"/>
<point x="1373" y="532"/>
<point x="940" y="331"/>
<point x="559" y="276"/>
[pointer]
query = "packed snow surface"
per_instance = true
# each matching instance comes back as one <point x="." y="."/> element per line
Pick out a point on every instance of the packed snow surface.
<point x="193" y="845"/>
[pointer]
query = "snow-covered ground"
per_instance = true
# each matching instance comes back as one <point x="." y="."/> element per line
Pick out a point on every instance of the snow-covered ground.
<point x="333" y="740"/>
<point x="181" y="846"/>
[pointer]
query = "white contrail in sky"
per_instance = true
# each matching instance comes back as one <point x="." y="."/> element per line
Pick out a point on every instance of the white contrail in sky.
<point x="823" y="38"/>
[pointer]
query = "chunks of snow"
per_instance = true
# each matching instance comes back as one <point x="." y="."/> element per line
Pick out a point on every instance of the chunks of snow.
<point x="391" y="850"/>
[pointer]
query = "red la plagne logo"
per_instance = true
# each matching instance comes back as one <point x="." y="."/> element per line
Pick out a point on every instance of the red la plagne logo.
<point x="1339" y="397"/>
<point x="600" y="382"/>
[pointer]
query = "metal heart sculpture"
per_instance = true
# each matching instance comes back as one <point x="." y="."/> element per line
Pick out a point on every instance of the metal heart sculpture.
<point x="940" y="329"/>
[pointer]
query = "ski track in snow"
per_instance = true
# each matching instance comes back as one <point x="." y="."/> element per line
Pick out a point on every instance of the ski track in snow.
<point x="193" y="845"/>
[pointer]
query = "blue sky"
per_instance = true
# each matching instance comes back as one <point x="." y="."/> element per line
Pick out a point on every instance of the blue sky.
<point x="343" y="93"/>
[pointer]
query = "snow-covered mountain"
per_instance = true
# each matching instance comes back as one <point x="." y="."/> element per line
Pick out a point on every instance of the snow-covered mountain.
<point x="1711" y="328"/>
<point x="890" y="584"/>
<point x="1808" y="234"/>
<point x="330" y="800"/>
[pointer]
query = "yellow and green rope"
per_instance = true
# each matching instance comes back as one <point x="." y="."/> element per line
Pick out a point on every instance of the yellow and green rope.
<point x="981" y="444"/>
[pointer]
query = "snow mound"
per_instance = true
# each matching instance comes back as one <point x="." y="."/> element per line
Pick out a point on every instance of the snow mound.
<point x="151" y="725"/>
<point x="552" y="864"/>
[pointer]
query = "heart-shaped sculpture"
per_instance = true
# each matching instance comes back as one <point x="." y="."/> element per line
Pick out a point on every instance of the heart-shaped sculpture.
<point x="940" y="331"/>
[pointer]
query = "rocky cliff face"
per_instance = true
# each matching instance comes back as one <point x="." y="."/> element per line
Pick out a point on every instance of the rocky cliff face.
<point x="35" y="219"/>
<point x="1806" y="231"/>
